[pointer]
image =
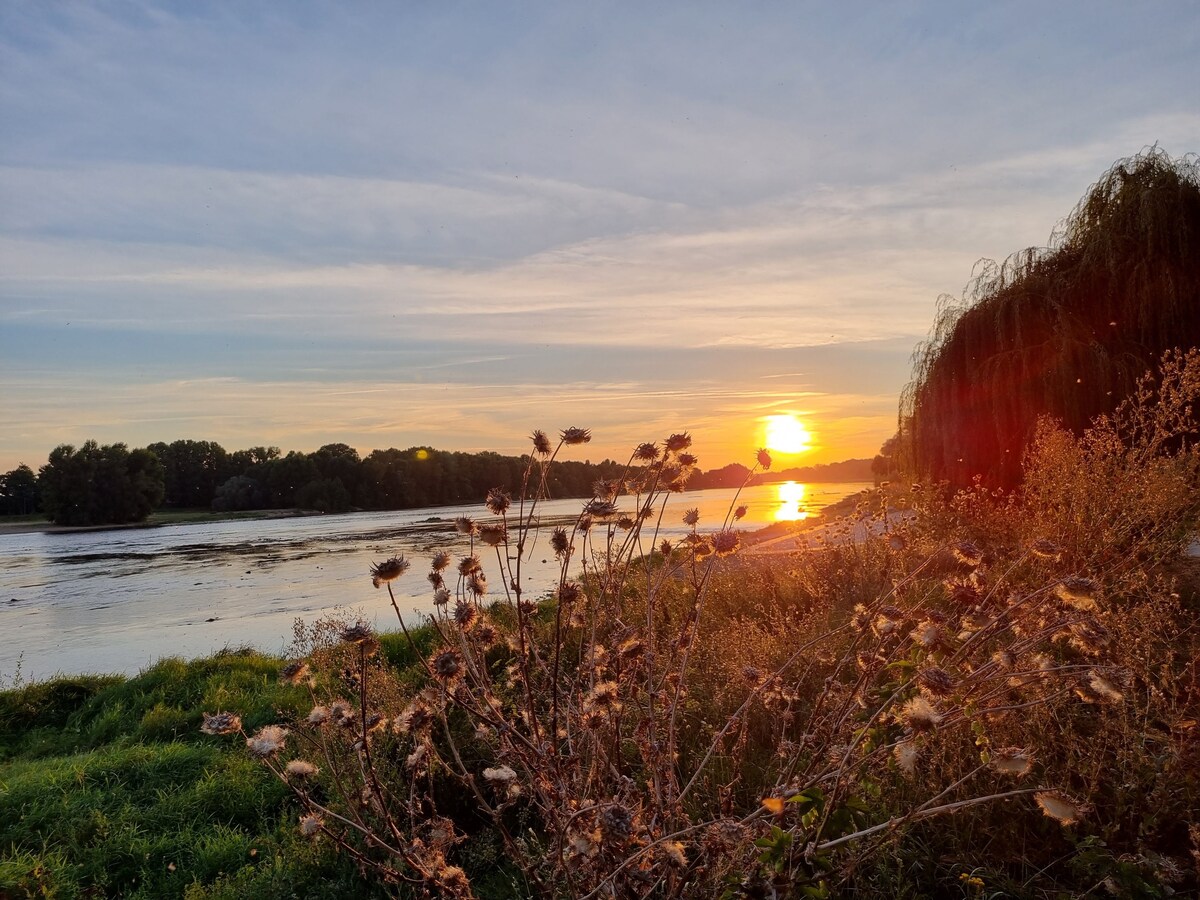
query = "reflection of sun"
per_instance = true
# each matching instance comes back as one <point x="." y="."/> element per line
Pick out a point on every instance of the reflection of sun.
<point x="791" y="495"/>
<point x="785" y="434"/>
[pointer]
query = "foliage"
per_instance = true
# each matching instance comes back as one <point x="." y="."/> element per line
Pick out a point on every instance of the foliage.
<point x="19" y="492"/>
<point x="1063" y="332"/>
<point x="97" y="485"/>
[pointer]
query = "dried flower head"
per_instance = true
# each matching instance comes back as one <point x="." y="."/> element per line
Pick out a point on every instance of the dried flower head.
<point x="221" y="723"/>
<point x="498" y="501"/>
<point x="477" y="584"/>
<point x="441" y="597"/>
<point x="493" y="535"/>
<point x="929" y="634"/>
<point x="294" y="672"/>
<point x="388" y="570"/>
<point x="691" y="517"/>
<point x="920" y="715"/>
<point x="441" y="560"/>
<point x="1015" y="761"/>
<point x="1090" y="636"/>
<point x="600" y="509"/>
<point x="446" y="665"/>
<point x="740" y="512"/>
<point x="674" y="853"/>
<point x="560" y="542"/>
<point x="341" y="713"/>
<point x="665" y="548"/>
<point x="687" y="459"/>
<point x="571" y="436"/>
<point x="469" y="564"/>
<point x="465" y="525"/>
<point x="936" y="681"/>
<point x="569" y="592"/>
<point x="616" y="823"/>
<point x="465" y="614"/>
<point x="416" y="718"/>
<point x="1104" y="689"/>
<point x="968" y="553"/>
<point x="726" y="542"/>
<point x="677" y="443"/>
<point x="1060" y="806"/>
<point x="318" y="716"/>
<point x="500" y="775"/>
<point x="1044" y="549"/>
<point x="301" y="769"/>
<point x="310" y="824"/>
<point x="541" y="443"/>
<point x="268" y="741"/>
<point x="897" y="542"/>
<point x="764" y="458"/>
<point x="646" y="452"/>
<point x="357" y="633"/>
<point x="1078" y="593"/>
<point x="906" y="754"/>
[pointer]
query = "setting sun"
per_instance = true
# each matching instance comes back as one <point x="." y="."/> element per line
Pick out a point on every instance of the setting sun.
<point x="785" y="434"/>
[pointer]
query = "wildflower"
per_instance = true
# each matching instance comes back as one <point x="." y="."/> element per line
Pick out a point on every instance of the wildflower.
<point x="906" y="754"/>
<point x="687" y="459"/>
<point x="388" y="570"/>
<point x="631" y="648"/>
<point x="861" y="618"/>
<point x="477" y="584"/>
<point x="584" y="843"/>
<point x="318" y="716"/>
<point x="500" y="775"/>
<point x="441" y="597"/>
<point x="268" y="741"/>
<point x="469" y="564"/>
<point x="740" y="512"/>
<point x="413" y="761"/>
<point x="341" y="713"/>
<point x="603" y="696"/>
<point x="541" y="443"/>
<point x="963" y="593"/>
<point x="764" y="458"/>
<point x="1060" y="806"/>
<point x="571" y="436"/>
<point x="606" y="488"/>
<point x="465" y="525"/>
<point x="294" y="672"/>
<point x="677" y="443"/>
<point x="485" y="633"/>
<point x="646" y="452"/>
<point x="920" y="715"/>
<point x="498" y="501"/>
<point x="691" y="517"/>
<point x="357" y="633"/>
<point x="300" y="768"/>
<point x="616" y="823"/>
<point x="1004" y="659"/>
<point x="221" y="723"/>
<point x="936" y="681"/>
<point x="435" y="578"/>
<point x="1044" y="549"/>
<point x="310" y="824"/>
<point x="447" y="665"/>
<point x="665" y="548"/>
<point x="465" y="614"/>
<point x="1014" y="761"/>
<point x="1078" y="593"/>
<point x="493" y="535"/>
<point x="968" y="553"/>
<point x="441" y="560"/>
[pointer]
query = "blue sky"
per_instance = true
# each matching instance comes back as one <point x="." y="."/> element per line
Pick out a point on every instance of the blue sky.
<point x="397" y="223"/>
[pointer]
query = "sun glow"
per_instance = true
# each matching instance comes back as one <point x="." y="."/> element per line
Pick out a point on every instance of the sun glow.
<point x="786" y="434"/>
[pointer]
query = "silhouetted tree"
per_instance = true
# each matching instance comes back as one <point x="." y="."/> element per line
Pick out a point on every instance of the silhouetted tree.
<point x="1063" y="331"/>
<point x="19" y="494"/>
<point x="97" y="485"/>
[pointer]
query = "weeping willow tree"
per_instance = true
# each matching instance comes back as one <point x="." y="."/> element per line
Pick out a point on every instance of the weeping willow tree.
<point x="1064" y="330"/>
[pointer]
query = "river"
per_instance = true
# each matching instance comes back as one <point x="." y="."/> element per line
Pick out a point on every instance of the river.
<point x="116" y="601"/>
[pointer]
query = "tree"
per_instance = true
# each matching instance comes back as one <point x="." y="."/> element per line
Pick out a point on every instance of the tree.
<point x="97" y="485"/>
<point x="19" y="493"/>
<point x="1064" y="332"/>
<point x="193" y="471"/>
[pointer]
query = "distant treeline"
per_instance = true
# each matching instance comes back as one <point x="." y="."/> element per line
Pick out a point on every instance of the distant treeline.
<point x="96" y="484"/>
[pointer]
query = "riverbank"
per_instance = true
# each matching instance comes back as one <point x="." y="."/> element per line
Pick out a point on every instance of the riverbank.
<point x="159" y="519"/>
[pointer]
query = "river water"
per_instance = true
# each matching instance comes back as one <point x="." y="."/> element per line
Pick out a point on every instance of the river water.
<point x="116" y="601"/>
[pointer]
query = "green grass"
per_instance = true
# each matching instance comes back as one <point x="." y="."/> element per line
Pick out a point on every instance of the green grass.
<point x="108" y="789"/>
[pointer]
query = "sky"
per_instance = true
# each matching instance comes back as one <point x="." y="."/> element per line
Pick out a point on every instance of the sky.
<point x="402" y="224"/>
